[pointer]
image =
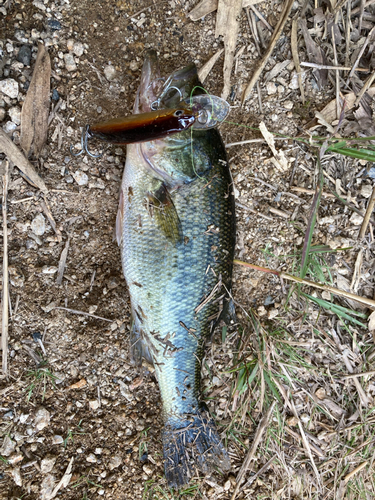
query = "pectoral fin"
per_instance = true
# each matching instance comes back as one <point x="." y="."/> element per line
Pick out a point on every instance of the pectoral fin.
<point x="162" y="209"/>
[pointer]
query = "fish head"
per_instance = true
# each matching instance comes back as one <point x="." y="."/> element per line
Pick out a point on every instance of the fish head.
<point x="153" y="85"/>
<point x="169" y="158"/>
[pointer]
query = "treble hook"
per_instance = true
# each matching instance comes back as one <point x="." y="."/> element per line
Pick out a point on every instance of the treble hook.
<point x="156" y="104"/>
<point x="86" y="134"/>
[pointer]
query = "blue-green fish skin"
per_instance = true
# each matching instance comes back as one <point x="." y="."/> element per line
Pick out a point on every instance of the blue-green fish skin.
<point x="176" y="228"/>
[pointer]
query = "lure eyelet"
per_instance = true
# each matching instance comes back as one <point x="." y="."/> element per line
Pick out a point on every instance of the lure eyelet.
<point x="178" y="113"/>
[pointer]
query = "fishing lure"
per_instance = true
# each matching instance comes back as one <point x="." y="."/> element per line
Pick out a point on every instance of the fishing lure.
<point x="200" y="112"/>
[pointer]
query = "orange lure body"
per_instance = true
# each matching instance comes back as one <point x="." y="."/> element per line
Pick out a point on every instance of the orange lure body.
<point x="143" y="127"/>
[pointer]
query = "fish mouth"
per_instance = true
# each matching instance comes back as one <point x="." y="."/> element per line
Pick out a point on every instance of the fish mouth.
<point x="153" y="85"/>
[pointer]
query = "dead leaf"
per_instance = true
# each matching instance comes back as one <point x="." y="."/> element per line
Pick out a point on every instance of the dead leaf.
<point x="315" y="55"/>
<point x="206" y="68"/>
<point x="227" y="24"/>
<point x="35" y="109"/>
<point x="371" y="321"/>
<point x="78" y="385"/>
<point x="279" y="156"/>
<point x="294" y="47"/>
<point x="207" y="6"/>
<point x="13" y="154"/>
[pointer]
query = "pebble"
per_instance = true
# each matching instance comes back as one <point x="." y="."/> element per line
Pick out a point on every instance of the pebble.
<point x="147" y="469"/>
<point x="80" y="177"/>
<point x="133" y="66"/>
<point x="288" y="105"/>
<point x="7" y="447"/>
<point x="2" y="114"/>
<point x="49" y="269"/>
<point x="55" y="95"/>
<point x="54" y="24"/>
<point x="39" y="5"/>
<point x="56" y="439"/>
<point x="366" y="191"/>
<point x="38" y="225"/>
<point x="271" y="88"/>
<point x="101" y="492"/>
<point x="15" y="115"/>
<point x="115" y="462"/>
<point x="110" y="72"/>
<point x="24" y="55"/>
<point x="15" y="459"/>
<point x="46" y="465"/>
<point x="78" y="48"/>
<point x="94" y="405"/>
<point x="16" y="473"/>
<point x="91" y="458"/>
<point x="9" y="127"/>
<point x="227" y="485"/>
<point x="47" y="487"/>
<point x="69" y="44"/>
<point x="70" y="63"/>
<point x="356" y="219"/>
<point x="42" y="419"/>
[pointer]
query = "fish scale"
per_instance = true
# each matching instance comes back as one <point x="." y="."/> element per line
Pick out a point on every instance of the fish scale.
<point x="176" y="227"/>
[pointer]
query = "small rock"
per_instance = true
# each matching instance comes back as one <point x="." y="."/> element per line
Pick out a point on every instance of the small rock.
<point x="47" y="487"/>
<point x="271" y="88"/>
<point x="42" y="419"/>
<point x="16" y="473"/>
<point x="147" y="469"/>
<point x="91" y="458"/>
<point x="70" y="44"/>
<point x="288" y="105"/>
<point x="54" y="24"/>
<point x="269" y="300"/>
<point x="78" y="48"/>
<point x="47" y="464"/>
<point x="55" y="95"/>
<point x="110" y="72"/>
<point x="56" y="439"/>
<point x="38" y="225"/>
<point x="70" y="63"/>
<point x="24" y="55"/>
<point x="9" y="87"/>
<point x="101" y="492"/>
<point x="7" y="447"/>
<point x="366" y="191"/>
<point x="2" y="114"/>
<point x="356" y="219"/>
<point x="80" y="177"/>
<point x="15" y="458"/>
<point x="115" y="461"/>
<point x="94" y="405"/>
<point x="272" y="313"/>
<point x="9" y="127"/>
<point x="227" y="485"/>
<point x="39" y="5"/>
<point x="133" y="66"/>
<point x="15" y="115"/>
<point x="49" y="269"/>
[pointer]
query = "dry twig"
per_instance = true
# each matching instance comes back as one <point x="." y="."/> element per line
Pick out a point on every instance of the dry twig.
<point x="275" y="37"/>
<point x="5" y="304"/>
<point x="367" y="217"/>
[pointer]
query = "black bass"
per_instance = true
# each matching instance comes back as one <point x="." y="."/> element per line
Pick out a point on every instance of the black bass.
<point x="176" y="229"/>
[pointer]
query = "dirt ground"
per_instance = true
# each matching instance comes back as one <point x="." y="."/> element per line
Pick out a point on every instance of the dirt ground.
<point x="73" y="402"/>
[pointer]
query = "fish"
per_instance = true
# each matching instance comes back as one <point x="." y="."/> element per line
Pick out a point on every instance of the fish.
<point x="143" y="127"/>
<point x="176" y="229"/>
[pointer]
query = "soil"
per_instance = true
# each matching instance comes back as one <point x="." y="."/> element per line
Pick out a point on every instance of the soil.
<point x="102" y="411"/>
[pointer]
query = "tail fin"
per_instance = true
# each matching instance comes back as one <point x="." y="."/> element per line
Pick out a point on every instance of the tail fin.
<point x="190" y="444"/>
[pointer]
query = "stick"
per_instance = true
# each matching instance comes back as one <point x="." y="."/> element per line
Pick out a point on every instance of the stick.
<point x="74" y="311"/>
<point x="15" y="155"/>
<point x="294" y="47"/>
<point x="337" y="68"/>
<point x="354" y="375"/>
<point x="341" y="293"/>
<point x="365" y="88"/>
<point x="257" y="474"/>
<point x="62" y="263"/>
<point x="5" y="311"/>
<point x="258" y="436"/>
<point x="366" y="219"/>
<point x="275" y="37"/>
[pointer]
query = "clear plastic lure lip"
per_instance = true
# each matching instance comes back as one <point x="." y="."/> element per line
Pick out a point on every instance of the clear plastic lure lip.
<point x="210" y="110"/>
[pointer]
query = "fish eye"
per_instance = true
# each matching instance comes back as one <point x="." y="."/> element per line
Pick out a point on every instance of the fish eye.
<point x="179" y="112"/>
